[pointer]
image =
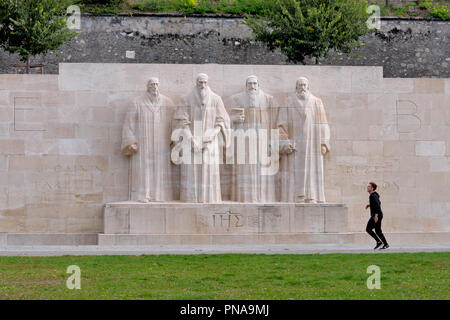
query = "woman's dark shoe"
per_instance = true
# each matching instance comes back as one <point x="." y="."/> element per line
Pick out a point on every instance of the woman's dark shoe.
<point x="378" y="245"/>
<point x="385" y="247"/>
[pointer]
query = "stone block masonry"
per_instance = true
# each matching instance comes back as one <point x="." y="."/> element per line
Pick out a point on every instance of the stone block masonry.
<point x="56" y="178"/>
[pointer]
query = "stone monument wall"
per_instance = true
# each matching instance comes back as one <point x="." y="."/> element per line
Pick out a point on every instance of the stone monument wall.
<point x="60" y="136"/>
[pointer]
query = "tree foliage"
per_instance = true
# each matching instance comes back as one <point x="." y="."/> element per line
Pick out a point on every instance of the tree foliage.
<point x="310" y="28"/>
<point x="32" y="27"/>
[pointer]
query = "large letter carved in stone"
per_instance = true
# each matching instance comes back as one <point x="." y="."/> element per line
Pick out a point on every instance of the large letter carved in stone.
<point x="304" y="139"/>
<point x="145" y="138"/>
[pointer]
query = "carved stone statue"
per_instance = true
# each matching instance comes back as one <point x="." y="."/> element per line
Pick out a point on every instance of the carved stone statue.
<point x="304" y="139"/>
<point x="202" y="120"/>
<point x="145" y="136"/>
<point x="252" y="112"/>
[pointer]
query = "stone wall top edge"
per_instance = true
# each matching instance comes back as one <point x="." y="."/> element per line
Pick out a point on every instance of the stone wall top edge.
<point x="413" y="79"/>
<point x="231" y="16"/>
<point x="80" y="66"/>
<point x="63" y="64"/>
<point x="31" y="234"/>
<point x="130" y="204"/>
<point x="30" y="76"/>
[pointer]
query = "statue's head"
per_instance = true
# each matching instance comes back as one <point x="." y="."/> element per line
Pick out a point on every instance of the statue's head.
<point x="252" y="84"/>
<point x="153" y="86"/>
<point x="302" y="87"/>
<point x="202" y="84"/>
<point x="202" y="81"/>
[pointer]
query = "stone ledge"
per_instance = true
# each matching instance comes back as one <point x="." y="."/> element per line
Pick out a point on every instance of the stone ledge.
<point x="218" y="239"/>
<point x="403" y="237"/>
<point x="134" y="204"/>
<point x="225" y="16"/>
<point x="258" y="239"/>
<point x="97" y="240"/>
<point x="44" y="239"/>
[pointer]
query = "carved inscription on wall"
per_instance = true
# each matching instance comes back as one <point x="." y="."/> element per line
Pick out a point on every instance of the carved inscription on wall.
<point x="228" y="220"/>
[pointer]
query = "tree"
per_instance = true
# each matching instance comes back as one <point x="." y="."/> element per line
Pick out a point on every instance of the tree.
<point x="310" y="28"/>
<point x="32" y="27"/>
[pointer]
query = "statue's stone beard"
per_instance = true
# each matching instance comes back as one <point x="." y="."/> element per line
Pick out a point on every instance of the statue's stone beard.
<point x="302" y="95"/>
<point x="252" y="94"/>
<point x="203" y="93"/>
<point x="154" y="95"/>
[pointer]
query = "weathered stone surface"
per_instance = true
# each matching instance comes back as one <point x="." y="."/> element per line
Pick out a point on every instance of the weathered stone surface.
<point x="308" y="219"/>
<point x="24" y="163"/>
<point x="116" y="221"/>
<point x="227" y="218"/>
<point x="27" y="82"/>
<point x="60" y="131"/>
<point x="429" y="86"/>
<point x="4" y="99"/>
<point x="374" y="136"/>
<point x="40" y="239"/>
<point x="10" y="146"/>
<point x="405" y="48"/>
<point x="430" y="148"/>
<point x="336" y="219"/>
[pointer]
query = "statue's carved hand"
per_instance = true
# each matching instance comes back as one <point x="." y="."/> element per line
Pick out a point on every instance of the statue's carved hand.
<point x="287" y="147"/>
<point x="132" y="148"/>
<point x="209" y="139"/>
<point x="238" y="118"/>
<point x="206" y="145"/>
<point x="324" y="149"/>
<point x="290" y="149"/>
<point x="238" y="115"/>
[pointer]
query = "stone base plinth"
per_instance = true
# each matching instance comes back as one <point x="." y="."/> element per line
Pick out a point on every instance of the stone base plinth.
<point x="394" y="239"/>
<point x="226" y="223"/>
<point x="48" y="239"/>
<point x="105" y="240"/>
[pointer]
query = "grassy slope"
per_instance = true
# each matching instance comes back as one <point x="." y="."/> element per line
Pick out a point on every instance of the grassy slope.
<point x="333" y="276"/>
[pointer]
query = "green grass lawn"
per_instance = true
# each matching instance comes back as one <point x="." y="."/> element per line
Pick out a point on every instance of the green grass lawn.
<point x="231" y="276"/>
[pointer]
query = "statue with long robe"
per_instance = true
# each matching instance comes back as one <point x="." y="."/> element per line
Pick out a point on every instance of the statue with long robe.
<point x="252" y="113"/>
<point x="146" y="139"/>
<point x="203" y="125"/>
<point x="304" y="140"/>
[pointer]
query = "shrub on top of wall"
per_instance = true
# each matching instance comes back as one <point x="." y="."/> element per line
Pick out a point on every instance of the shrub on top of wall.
<point x="151" y="6"/>
<point x="102" y="2"/>
<point x="440" y="12"/>
<point x="244" y="6"/>
<point x="185" y="6"/>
